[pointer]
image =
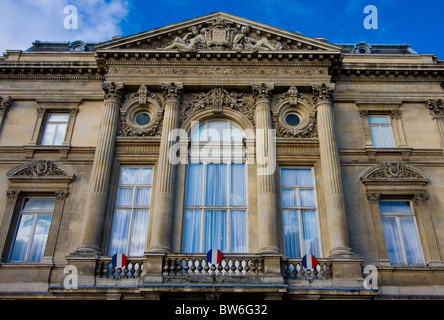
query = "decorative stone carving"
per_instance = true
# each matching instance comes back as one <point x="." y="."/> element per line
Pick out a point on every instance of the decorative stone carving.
<point x="5" y="103"/>
<point x="395" y="113"/>
<point x="220" y="35"/>
<point x="172" y="90"/>
<point x="113" y="90"/>
<point x="218" y="98"/>
<point x="435" y="106"/>
<point x="322" y="92"/>
<point x="262" y="90"/>
<point x="420" y="198"/>
<point x="373" y="198"/>
<point x="293" y="101"/>
<point x="39" y="169"/>
<point x="141" y="101"/>
<point x="12" y="195"/>
<point x="192" y="41"/>
<point x="393" y="170"/>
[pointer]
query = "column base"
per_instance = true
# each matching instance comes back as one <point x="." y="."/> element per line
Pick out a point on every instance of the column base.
<point x="342" y="252"/>
<point x="87" y="250"/>
<point x="159" y="249"/>
<point x="269" y="250"/>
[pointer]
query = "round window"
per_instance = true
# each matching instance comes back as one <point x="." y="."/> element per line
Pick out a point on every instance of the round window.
<point x="292" y="119"/>
<point x="142" y="118"/>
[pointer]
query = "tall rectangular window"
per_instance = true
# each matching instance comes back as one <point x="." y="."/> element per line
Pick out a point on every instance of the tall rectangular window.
<point x="400" y="232"/>
<point x="299" y="212"/>
<point x="55" y="129"/>
<point x="381" y="131"/>
<point x="215" y="208"/>
<point x="131" y="211"/>
<point x="32" y="229"/>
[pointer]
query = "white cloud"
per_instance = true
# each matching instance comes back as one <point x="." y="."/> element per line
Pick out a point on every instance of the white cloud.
<point x="24" y="21"/>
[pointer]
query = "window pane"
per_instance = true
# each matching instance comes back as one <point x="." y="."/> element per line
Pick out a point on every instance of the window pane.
<point x="139" y="233"/>
<point x="411" y="240"/>
<point x="143" y="196"/>
<point x="217" y="130"/>
<point x="48" y="134"/>
<point x="238" y="234"/>
<point x="394" y="206"/>
<point x="216" y="193"/>
<point x="376" y="137"/>
<point x="60" y="134"/>
<point x="191" y="231"/>
<point x="378" y="120"/>
<point x="238" y="184"/>
<point x="387" y="137"/>
<point x="307" y="197"/>
<point x="119" y="232"/>
<point x="22" y="238"/>
<point x="236" y="133"/>
<point x="58" y="117"/>
<point x="215" y="230"/>
<point x="38" y="204"/>
<point x="289" y="198"/>
<point x="40" y="236"/>
<point x="194" y="185"/>
<point x="301" y="177"/>
<point x="124" y="197"/>
<point x="310" y="232"/>
<point x="291" y="233"/>
<point x="197" y="132"/>
<point x="134" y="175"/>
<point x="392" y="240"/>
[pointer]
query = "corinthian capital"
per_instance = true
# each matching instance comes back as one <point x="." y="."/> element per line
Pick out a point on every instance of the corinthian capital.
<point x="5" y="103"/>
<point x="435" y="106"/>
<point x="262" y="90"/>
<point x="113" y="90"/>
<point x="322" y="92"/>
<point x="172" y="91"/>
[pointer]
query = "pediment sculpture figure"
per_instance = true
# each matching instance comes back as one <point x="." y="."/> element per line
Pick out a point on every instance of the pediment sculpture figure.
<point x="243" y="42"/>
<point x="192" y="41"/>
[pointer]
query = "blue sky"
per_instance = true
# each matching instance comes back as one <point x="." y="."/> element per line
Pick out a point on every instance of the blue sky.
<point x="418" y="23"/>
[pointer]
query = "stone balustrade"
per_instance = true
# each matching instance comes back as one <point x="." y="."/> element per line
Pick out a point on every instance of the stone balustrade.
<point x="132" y="269"/>
<point x="292" y="269"/>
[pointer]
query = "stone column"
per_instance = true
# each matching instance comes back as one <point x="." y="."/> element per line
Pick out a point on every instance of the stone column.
<point x="162" y="215"/>
<point x="331" y="172"/>
<point x="101" y="170"/>
<point x="266" y="166"/>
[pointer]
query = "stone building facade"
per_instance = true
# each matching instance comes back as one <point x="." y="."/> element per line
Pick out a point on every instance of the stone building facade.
<point x="221" y="133"/>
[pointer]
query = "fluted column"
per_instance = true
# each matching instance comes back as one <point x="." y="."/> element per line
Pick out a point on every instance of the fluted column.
<point x="266" y="165"/>
<point x="331" y="172"/>
<point x="162" y="215"/>
<point x="101" y="170"/>
<point x="5" y="103"/>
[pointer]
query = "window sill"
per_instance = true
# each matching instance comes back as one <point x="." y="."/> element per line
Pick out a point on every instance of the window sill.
<point x="63" y="150"/>
<point x="405" y="152"/>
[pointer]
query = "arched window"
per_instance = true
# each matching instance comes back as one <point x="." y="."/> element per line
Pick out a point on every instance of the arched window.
<point x="215" y="214"/>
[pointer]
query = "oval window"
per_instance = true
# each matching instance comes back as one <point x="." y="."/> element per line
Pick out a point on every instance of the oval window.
<point x="292" y="119"/>
<point x="142" y="118"/>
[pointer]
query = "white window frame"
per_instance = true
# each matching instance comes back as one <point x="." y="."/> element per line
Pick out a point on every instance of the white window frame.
<point x="299" y="208"/>
<point x="379" y="126"/>
<point x="398" y="215"/>
<point x="57" y="124"/>
<point x="131" y="207"/>
<point x="36" y="214"/>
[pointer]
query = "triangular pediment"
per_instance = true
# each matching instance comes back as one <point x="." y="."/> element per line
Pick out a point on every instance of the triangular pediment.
<point x="218" y="31"/>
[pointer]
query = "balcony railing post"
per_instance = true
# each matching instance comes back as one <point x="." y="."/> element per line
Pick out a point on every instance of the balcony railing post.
<point x="272" y="268"/>
<point x="153" y="268"/>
